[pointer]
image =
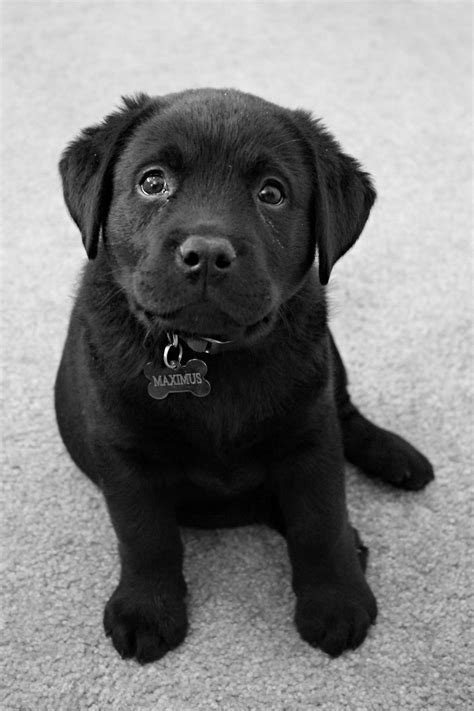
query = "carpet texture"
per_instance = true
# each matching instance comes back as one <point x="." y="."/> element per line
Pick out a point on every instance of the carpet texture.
<point x="392" y="81"/>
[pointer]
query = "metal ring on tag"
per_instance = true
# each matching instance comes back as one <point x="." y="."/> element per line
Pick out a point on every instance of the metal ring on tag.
<point x="173" y="363"/>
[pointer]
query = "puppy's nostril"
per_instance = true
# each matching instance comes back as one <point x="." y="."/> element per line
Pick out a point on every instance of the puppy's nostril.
<point x="223" y="261"/>
<point x="191" y="259"/>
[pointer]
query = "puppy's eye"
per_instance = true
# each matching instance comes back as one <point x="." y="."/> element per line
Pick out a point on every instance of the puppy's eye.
<point x="271" y="193"/>
<point x="153" y="183"/>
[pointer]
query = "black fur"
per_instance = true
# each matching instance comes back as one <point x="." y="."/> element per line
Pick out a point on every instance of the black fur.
<point x="268" y="443"/>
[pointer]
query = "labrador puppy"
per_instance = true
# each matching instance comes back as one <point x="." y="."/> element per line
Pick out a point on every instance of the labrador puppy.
<point x="200" y="384"/>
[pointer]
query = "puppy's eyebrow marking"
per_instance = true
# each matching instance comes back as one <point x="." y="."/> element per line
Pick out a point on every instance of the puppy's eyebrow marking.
<point x="265" y="163"/>
<point x="170" y="156"/>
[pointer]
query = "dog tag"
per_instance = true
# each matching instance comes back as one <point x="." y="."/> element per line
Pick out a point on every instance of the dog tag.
<point x="187" y="378"/>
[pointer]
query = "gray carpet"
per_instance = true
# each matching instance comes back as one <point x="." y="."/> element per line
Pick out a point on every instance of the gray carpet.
<point x="392" y="80"/>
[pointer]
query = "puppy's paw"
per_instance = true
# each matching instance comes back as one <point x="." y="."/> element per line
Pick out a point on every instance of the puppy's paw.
<point x="335" y="618"/>
<point x="144" y="625"/>
<point x="397" y="462"/>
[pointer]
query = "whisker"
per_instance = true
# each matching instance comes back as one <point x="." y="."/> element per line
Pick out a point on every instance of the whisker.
<point x="117" y="290"/>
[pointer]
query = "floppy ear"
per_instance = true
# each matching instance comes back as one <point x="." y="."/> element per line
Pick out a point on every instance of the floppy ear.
<point x="86" y="167"/>
<point x="344" y="195"/>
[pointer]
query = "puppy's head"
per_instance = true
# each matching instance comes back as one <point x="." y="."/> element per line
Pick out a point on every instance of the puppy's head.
<point x="208" y="206"/>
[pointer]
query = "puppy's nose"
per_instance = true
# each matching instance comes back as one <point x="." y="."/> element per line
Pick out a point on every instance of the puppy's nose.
<point x="197" y="252"/>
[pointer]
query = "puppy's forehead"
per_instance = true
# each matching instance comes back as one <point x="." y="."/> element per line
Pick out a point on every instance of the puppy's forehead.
<point x="234" y="128"/>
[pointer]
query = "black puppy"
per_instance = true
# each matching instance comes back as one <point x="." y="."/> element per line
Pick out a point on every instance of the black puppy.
<point x="199" y="383"/>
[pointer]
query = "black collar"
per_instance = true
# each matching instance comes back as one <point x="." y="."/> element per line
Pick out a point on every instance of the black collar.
<point x="206" y="345"/>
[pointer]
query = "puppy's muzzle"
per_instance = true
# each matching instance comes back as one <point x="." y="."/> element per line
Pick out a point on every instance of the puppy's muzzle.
<point x="199" y="255"/>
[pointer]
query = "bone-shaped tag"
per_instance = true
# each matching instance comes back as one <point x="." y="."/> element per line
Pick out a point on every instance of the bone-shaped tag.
<point x="188" y="378"/>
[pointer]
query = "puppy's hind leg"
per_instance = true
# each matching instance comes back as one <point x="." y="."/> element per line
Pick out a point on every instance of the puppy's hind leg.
<point x="377" y="452"/>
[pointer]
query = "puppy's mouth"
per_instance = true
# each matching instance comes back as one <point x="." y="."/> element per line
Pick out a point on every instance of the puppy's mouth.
<point x="194" y="324"/>
<point x="231" y="336"/>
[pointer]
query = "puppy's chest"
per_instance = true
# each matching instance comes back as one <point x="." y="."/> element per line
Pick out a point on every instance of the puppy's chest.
<point x="247" y="403"/>
<point x="235" y="414"/>
<point x="219" y="448"/>
<point x="225" y="478"/>
<point x="226" y="440"/>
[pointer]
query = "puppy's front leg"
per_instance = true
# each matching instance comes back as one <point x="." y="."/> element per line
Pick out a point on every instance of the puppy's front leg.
<point x="146" y="615"/>
<point x="335" y="606"/>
